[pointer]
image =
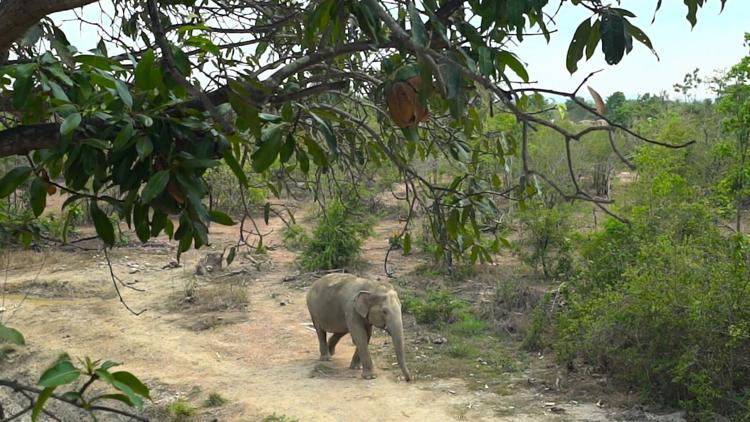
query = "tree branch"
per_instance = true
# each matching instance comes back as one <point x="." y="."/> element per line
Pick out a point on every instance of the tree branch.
<point x="16" y="16"/>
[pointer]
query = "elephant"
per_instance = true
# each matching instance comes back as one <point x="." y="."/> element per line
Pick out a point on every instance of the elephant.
<point x="344" y="303"/>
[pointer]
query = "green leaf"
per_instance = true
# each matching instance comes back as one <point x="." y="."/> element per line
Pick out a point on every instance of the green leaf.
<point x="109" y="364"/>
<point x="266" y="212"/>
<point x="70" y="124"/>
<point x="327" y="130"/>
<point x="319" y="157"/>
<point x="156" y="185"/>
<point x="613" y="37"/>
<point x="304" y="162"/>
<point x="595" y="35"/>
<point x="12" y="179"/>
<point x="122" y="140"/>
<point x="231" y="255"/>
<point x="134" y="399"/>
<point x="486" y="65"/>
<point x="63" y="372"/>
<point x="103" y="226"/>
<point x="40" y="401"/>
<point x="221" y="218"/>
<point x="235" y="167"/>
<point x="144" y="147"/>
<point x="639" y="35"/>
<point x="288" y="149"/>
<point x="119" y="397"/>
<point x="269" y="148"/>
<point x="452" y="224"/>
<point x="124" y="93"/>
<point x="133" y="382"/>
<point x="143" y="71"/>
<point x="418" y="32"/>
<point x="38" y="195"/>
<point x="11" y="335"/>
<point x="575" y="50"/>
<point x="98" y="62"/>
<point x="140" y="220"/>
<point x="506" y="58"/>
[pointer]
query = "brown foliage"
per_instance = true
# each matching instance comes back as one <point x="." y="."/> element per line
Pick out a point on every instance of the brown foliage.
<point x="402" y="98"/>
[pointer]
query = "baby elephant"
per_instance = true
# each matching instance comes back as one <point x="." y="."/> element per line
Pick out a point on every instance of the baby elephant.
<point x="343" y="303"/>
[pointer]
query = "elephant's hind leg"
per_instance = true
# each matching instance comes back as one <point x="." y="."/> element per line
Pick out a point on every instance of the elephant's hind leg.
<point x="324" y="355"/>
<point x="333" y="341"/>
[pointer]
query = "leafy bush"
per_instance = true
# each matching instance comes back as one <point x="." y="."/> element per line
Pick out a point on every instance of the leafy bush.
<point x="336" y="240"/>
<point x="436" y="307"/>
<point x="294" y="237"/>
<point x="215" y="400"/>
<point x="547" y="239"/>
<point x="670" y="314"/>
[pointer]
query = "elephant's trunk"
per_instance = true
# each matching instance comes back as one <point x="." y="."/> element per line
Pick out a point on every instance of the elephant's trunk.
<point x="396" y="329"/>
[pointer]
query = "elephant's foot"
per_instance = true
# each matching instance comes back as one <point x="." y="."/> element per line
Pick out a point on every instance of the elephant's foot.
<point x="368" y="375"/>
<point x="325" y="358"/>
<point x="355" y="365"/>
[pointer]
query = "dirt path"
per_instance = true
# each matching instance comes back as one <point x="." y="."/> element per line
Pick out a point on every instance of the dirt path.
<point x="263" y="363"/>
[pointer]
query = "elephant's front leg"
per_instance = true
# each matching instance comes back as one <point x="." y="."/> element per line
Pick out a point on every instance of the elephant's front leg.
<point x="356" y="361"/>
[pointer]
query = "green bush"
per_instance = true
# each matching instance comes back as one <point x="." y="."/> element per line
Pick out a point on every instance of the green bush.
<point x="294" y="237"/>
<point x="546" y="243"/>
<point x="672" y="316"/>
<point x="436" y="307"/>
<point x="336" y="240"/>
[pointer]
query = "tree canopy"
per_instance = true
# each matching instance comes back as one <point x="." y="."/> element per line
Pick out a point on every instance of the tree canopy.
<point x="292" y="90"/>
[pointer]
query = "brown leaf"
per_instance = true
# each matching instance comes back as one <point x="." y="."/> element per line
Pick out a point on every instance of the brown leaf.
<point x="598" y="100"/>
<point x="402" y="98"/>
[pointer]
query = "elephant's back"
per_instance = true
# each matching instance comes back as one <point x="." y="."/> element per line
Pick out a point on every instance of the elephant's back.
<point x="326" y="299"/>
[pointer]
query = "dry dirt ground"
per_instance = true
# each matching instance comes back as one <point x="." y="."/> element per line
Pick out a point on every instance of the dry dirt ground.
<point x="261" y="357"/>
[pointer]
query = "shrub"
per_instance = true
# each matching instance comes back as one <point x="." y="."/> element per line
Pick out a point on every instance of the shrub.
<point x="215" y="400"/>
<point x="547" y="240"/>
<point x="181" y="409"/>
<point x="294" y="237"/>
<point x="336" y="240"/>
<point x="436" y="307"/>
<point x="670" y="315"/>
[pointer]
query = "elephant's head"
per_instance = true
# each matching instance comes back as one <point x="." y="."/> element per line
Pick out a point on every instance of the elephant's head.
<point x="383" y="310"/>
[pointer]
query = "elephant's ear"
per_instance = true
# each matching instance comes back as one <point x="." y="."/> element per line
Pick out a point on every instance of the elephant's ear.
<point x="362" y="303"/>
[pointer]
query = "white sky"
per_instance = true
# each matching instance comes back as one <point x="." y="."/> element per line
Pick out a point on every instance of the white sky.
<point x="715" y="43"/>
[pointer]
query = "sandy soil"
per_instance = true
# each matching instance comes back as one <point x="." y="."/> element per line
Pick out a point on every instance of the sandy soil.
<point x="263" y="362"/>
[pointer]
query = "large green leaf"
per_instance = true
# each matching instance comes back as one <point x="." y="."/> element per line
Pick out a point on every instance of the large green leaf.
<point x="11" y="335"/>
<point x="575" y="50"/>
<point x="328" y="134"/>
<point x="143" y="71"/>
<point x="10" y="182"/>
<point x="133" y="382"/>
<point x="156" y="185"/>
<point x="38" y="195"/>
<point x="63" y="372"/>
<point x="221" y="218"/>
<point x="70" y="123"/>
<point x="613" y="37"/>
<point x="271" y="143"/>
<point x="40" y="401"/>
<point x="235" y="167"/>
<point x="418" y="32"/>
<point x="103" y="226"/>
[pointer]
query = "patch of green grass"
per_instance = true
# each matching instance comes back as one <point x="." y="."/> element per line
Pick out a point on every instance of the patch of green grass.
<point x="215" y="400"/>
<point x="462" y="350"/>
<point x="279" y="418"/>
<point x="181" y="409"/>
<point x="468" y="325"/>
